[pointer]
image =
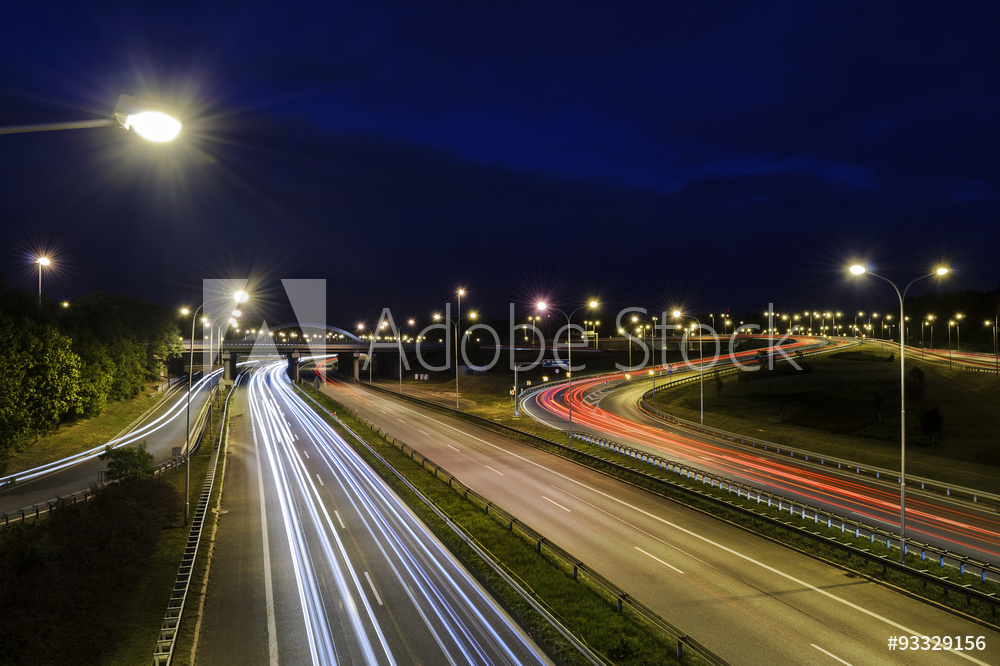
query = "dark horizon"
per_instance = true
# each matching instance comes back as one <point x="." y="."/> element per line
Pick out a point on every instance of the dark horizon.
<point x="664" y="156"/>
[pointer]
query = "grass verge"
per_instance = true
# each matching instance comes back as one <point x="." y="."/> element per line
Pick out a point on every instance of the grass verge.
<point x="622" y="637"/>
<point x="672" y="486"/>
<point x="83" y="435"/>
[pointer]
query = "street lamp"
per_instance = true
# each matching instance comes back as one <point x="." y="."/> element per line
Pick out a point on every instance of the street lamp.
<point x="455" y="323"/>
<point x="131" y="112"/>
<point x="240" y="297"/>
<point x="701" y="363"/>
<point x="958" y="336"/>
<point x="927" y="321"/>
<point x="41" y="261"/>
<point x="857" y="269"/>
<point x="541" y="305"/>
<point x="996" y="358"/>
<point x="458" y="334"/>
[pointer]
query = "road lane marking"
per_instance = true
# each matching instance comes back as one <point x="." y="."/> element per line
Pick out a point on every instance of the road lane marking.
<point x="305" y="452"/>
<point x="637" y="528"/>
<point x="422" y="432"/>
<point x="658" y="560"/>
<point x="320" y="480"/>
<point x="695" y="535"/>
<point x="375" y="592"/>
<point x="339" y="519"/>
<point x="497" y="471"/>
<point x="272" y="627"/>
<point x="452" y="447"/>
<point x="831" y="655"/>
<point x="557" y="504"/>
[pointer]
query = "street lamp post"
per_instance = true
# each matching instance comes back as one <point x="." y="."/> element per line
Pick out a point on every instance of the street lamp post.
<point x="240" y="297"/>
<point x="41" y="261"/>
<point x="458" y="334"/>
<point x="996" y="358"/>
<point x="859" y="270"/>
<point x="569" y="344"/>
<point x="371" y="342"/>
<point x="701" y="363"/>
<point x="455" y="323"/>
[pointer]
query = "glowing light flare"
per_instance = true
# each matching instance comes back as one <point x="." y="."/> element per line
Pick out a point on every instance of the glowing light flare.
<point x="154" y="126"/>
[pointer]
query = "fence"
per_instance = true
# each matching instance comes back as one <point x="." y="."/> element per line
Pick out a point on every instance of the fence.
<point x="163" y="653"/>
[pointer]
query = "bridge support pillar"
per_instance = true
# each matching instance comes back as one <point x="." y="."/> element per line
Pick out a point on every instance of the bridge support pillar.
<point x="293" y="365"/>
<point x="230" y="363"/>
<point x="347" y="364"/>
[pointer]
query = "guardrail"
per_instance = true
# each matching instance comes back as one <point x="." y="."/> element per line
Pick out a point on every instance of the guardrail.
<point x="85" y="494"/>
<point x="944" y="558"/>
<point x="622" y="597"/>
<point x="880" y="473"/>
<point x="163" y="653"/>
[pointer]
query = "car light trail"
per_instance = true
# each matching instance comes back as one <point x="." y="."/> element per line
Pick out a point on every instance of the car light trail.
<point x="339" y="619"/>
<point x="951" y="527"/>
<point x="175" y="410"/>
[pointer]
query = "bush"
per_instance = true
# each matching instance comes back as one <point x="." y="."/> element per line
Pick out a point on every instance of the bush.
<point x="65" y="582"/>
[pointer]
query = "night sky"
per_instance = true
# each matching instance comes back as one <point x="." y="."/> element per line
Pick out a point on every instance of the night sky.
<point x="705" y="155"/>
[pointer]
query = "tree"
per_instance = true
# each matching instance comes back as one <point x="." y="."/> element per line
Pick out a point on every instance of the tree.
<point x="918" y="380"/>
<point x="932" y="423"/>
<point x="127" y="464"/>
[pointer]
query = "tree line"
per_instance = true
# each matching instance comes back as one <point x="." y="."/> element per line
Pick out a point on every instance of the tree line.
<point x="59" y="364"/>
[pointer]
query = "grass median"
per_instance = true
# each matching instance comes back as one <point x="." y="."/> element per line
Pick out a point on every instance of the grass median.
<point x="669" y="484"/>
<point x="623" y="637"/>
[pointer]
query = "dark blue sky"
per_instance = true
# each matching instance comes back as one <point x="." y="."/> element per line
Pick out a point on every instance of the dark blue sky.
<point x="707" y="155"/>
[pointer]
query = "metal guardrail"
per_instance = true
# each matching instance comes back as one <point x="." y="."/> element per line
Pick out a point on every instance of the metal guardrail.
<point x="881" y="473"/>
<point x="622" y="597"/>
<point x="85" y="494"/>
<point x="163" y="653"/>
<point x="963" y="564"/>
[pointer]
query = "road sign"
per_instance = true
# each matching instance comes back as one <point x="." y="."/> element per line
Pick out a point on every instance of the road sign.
<point x="555" y="363"/>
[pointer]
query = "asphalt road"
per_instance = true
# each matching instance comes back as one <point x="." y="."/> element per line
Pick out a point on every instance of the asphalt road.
<point x="317" y="561"/>
<point x="748" y="599"/>
<point x="946" y="522"/>
<point x="162" y="429"/>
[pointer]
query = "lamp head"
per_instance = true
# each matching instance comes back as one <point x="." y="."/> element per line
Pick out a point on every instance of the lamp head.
<point x="858" y="269"/>
<point x="241" y="296"/>
<point x="148" y="122"/>
<point x="44" y="261"/>
<point x="941" y="270"/>
<point x="540" y="305"/>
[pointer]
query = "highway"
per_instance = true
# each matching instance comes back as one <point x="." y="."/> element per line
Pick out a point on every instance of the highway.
<point x="749" y="600"/>
<point x="317" y="561"/>
<point x="162" y="429"/>
<point x="957" y="526"/>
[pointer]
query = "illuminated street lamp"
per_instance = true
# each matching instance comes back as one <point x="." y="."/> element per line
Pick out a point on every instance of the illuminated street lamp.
<point x="240" y="297"/>
<point x="371" y="342"/>
<point x="41" y="261"/>
<point x="131" y="113"/>
<point x="701" y="362"/>
<point x="926" y="322"/>
<point x="857" y="269"/>
<point x="996" y="358"/>
<point x="542" y="305"/>
<point x="455" y="325"/>
<point x="958" y="336"/>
